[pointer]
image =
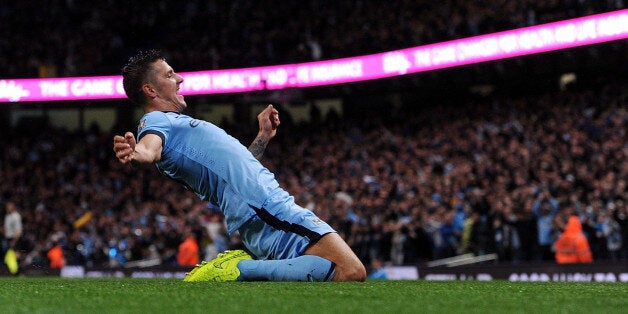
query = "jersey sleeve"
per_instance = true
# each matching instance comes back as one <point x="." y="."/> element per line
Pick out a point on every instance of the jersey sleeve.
<point x="157" y="123"/>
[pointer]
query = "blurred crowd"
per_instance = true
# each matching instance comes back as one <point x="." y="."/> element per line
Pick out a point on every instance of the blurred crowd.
<point x="421" y="182"/>
<point x="495" y="175"/>
<point x="78" y="38"/>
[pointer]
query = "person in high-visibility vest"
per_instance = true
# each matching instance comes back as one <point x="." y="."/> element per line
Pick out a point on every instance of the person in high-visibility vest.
<point x="572" y="246"/>
<point x="188" y="250"/>
<point x="56" y="256"/>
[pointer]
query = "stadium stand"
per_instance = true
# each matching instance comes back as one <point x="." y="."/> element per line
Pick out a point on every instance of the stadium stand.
<point x="425" y="181"/>
<point x="82" y="39"/>
<point x="448" y="181"/>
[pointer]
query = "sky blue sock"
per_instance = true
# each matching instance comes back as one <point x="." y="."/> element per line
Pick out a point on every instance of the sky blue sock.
<point x="302" y="268"/>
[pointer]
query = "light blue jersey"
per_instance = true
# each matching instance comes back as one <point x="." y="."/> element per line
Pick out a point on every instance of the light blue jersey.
<point x="216" y="166"/>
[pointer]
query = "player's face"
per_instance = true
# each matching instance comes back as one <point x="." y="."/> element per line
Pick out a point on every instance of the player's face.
<point x="167" y="85"/>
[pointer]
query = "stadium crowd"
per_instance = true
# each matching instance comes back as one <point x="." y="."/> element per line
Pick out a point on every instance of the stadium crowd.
<point x="498" y="175"/>
<point x="78" y="38"/>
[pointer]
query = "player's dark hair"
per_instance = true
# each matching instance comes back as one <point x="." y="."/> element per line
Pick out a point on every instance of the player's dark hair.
<point x="135" y="73"/>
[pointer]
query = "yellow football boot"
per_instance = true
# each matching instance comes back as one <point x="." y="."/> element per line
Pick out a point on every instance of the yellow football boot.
<point x="222" y="268"/>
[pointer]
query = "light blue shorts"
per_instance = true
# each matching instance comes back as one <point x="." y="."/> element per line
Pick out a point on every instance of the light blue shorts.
<point x="284" y="235"/>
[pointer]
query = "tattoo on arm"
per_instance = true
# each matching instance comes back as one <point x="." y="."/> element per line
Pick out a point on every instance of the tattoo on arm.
<point x="258" y="146"/>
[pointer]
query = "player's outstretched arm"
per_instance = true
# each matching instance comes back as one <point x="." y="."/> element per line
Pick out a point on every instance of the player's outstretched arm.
<point x="268" y="121"/>
<point x="147" y="151"/>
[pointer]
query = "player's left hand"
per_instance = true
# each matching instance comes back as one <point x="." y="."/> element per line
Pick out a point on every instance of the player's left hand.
<point x="268" y="121"/>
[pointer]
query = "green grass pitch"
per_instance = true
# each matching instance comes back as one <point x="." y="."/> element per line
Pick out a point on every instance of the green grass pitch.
<point x="109" y="295"/>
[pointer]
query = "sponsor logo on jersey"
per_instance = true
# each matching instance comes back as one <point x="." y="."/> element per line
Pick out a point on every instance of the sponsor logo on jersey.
<point x="141" y="125"/>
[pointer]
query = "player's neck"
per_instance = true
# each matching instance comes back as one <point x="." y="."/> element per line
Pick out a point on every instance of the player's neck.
<point x="163" y="108"/>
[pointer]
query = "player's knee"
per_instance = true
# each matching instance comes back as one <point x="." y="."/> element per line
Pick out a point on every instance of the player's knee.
<point x="354" y="272"/>
<point x="359" y="273"/>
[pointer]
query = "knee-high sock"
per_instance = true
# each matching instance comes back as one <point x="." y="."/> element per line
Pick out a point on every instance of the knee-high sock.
<point x="302" y="268"/>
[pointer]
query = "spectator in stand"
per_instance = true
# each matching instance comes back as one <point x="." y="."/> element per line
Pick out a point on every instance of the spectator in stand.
<point x="377" y="270"/>
<point x="545" y="208"/>
<point x="620" y="214"/>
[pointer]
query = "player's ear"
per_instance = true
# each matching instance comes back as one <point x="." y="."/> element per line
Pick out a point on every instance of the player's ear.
<point x="149" y="90"/>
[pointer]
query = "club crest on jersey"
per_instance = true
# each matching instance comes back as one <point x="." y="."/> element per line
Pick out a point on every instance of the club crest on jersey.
<point x="141" y="125"/>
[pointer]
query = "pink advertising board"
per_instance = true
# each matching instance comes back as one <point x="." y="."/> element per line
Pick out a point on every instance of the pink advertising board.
<point x="524" y="41"/>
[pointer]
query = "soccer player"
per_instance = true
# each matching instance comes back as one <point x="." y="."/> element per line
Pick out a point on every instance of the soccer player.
<point x="289" y="243"/>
